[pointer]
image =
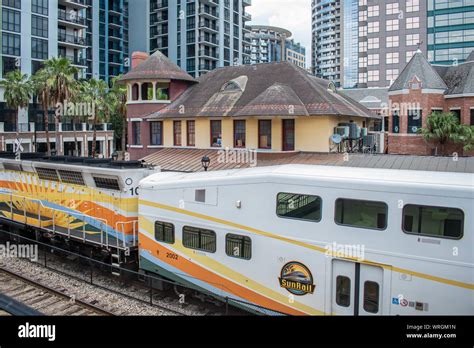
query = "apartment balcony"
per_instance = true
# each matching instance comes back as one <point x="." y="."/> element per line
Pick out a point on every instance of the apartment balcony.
<point x="211" y="27"/>
<point x="160" y="5"/>
<point x="77" y="61"/>
<point x="214" y="41"/>
<point x="115" y="22"/>
<point x="247" y="16"/>
<point x="209" y="12"/>
<point x="115" y="34"/>
<point x="76" y="4"/>
<point x="214" y="3"/>
<point x="208" y="54"/>
<point x="71" y="19"/>
<point x="247" y="3"/>
<point x="72" y="41"/>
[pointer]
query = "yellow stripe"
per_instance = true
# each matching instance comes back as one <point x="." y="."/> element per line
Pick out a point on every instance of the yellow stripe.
<point x="239" y="278"/>
<point x="305" y="245"/>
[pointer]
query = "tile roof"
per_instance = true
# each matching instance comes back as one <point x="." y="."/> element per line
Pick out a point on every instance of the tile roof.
<point x="420" y="68"/>
<point x="371" y="98"/>
<point x="270" y="89"/>
<point x="189" y="160"/>
<point x="453" y="79"/>
<point x="157" y="66"/>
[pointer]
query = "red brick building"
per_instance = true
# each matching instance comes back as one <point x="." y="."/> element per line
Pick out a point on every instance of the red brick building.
<point x="153" y="83"/>
<point x="422" y="89"/>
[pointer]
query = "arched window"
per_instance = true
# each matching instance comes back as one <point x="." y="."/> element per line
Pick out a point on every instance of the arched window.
<point x="147" y="91"/>
<point x="135" y="89"/>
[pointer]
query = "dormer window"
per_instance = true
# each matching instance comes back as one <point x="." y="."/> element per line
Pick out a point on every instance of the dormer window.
<point x="236" y="85"/>
<point x="415" y="83"/>
<point x="231" y="86"/>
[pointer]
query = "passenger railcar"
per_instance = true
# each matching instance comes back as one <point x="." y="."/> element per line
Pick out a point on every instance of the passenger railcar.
<point x="314" y="240"/>
<point x="93" y="202"/>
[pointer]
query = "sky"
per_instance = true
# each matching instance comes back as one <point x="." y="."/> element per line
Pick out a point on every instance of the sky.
<point x="294" y="15"/>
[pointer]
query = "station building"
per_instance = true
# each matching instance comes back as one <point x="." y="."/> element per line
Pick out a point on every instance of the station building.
<point x="420" y="90"/>
<point x="273" y="108"/>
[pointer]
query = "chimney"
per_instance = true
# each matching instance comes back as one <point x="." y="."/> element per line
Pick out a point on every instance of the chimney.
<point x="138" y="58"/>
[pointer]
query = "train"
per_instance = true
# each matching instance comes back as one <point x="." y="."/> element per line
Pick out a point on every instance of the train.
<point x="298" y="239"/>
<point x="87" y="205"/>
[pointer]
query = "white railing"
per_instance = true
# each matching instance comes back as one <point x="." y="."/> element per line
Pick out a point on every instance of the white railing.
<point x="103" y="222"/>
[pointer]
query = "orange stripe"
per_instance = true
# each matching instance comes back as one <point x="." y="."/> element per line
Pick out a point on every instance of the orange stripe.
<point x="213" y="279"/>
<point x="88" y="208"/>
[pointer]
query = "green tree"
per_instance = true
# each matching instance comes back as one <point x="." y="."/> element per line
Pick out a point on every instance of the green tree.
<point x="96" y="92"/>
<point x="441" y="129"/>
<point x="43" y="92"/>
<point x="466" y="137"/>
<point x="119" y="111"/>
<point x="18" y="92"/>
<point x="61" y="81"/>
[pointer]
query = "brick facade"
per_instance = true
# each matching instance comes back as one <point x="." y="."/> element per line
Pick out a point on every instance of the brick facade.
<point x="412" y="144"/>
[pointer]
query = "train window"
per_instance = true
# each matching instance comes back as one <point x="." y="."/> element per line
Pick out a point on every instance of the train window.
<point x="13" y="167"/>
<point x="107" y="183"/>
<point x="433" y="221"/>
<point x="296" y="206"/>
<point x="363" y="214"/>
<point x="70" y="177"/>
<point x="343" y="291"/>
<point x="371" y="297"/>
<point x="164" y="232"/>
<point x="47" y="174"/>
<point x="199" y="239"/>
<point x="238" y="246"/>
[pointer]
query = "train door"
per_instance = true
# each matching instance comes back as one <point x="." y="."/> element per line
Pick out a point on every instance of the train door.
<point x="356" y="288"/>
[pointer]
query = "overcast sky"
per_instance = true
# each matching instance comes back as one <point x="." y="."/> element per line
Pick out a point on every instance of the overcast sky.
<point x="294" y="15"/>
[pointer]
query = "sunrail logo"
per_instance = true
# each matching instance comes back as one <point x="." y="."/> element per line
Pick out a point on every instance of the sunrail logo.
<point x="297" y="279"/>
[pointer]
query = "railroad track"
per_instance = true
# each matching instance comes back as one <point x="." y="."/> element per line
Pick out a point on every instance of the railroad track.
<point x="44" y="299"/>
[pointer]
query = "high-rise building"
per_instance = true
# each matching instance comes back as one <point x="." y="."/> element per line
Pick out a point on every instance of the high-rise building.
<point x="198" y="35"/>
<point x="450" y="31"/>
<point x="272" y="44"/>
<point x="389" y="35"/>
<point x="366" y="43"/>
<point x="93" y="35"/>
<point x="326" y="42"/>
<point x="108" y="56"/>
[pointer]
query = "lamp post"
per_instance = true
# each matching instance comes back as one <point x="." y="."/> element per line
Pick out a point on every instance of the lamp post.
<point x="206" y="162"/>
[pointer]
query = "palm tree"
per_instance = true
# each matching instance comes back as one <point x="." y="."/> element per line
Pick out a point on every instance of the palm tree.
<point x="441" y="128"/>
<point x="95" y="92"/>
<point x="61" y="81"/>
<point x="18" y="92"/>
<point x="119" y="107"/>
<point x="43" y="92"/>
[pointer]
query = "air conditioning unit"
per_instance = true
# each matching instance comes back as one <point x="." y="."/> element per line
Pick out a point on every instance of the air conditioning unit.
<point x="379" y="141"/>
<point x="354" y="132"/>
<point x="342" y="131"/>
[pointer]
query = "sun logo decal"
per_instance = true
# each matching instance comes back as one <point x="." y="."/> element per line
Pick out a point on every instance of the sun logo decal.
<point x="297" y="279"/>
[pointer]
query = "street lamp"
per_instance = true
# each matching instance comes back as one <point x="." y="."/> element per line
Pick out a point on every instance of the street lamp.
<point x="206" y="162"/>
<point x="115" y="156"/>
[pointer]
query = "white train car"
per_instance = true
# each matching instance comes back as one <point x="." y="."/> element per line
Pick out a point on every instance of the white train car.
<point x="314" y="240"/>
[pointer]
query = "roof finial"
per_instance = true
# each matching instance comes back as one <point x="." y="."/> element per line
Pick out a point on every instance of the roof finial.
<point x="419" y="47"/>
